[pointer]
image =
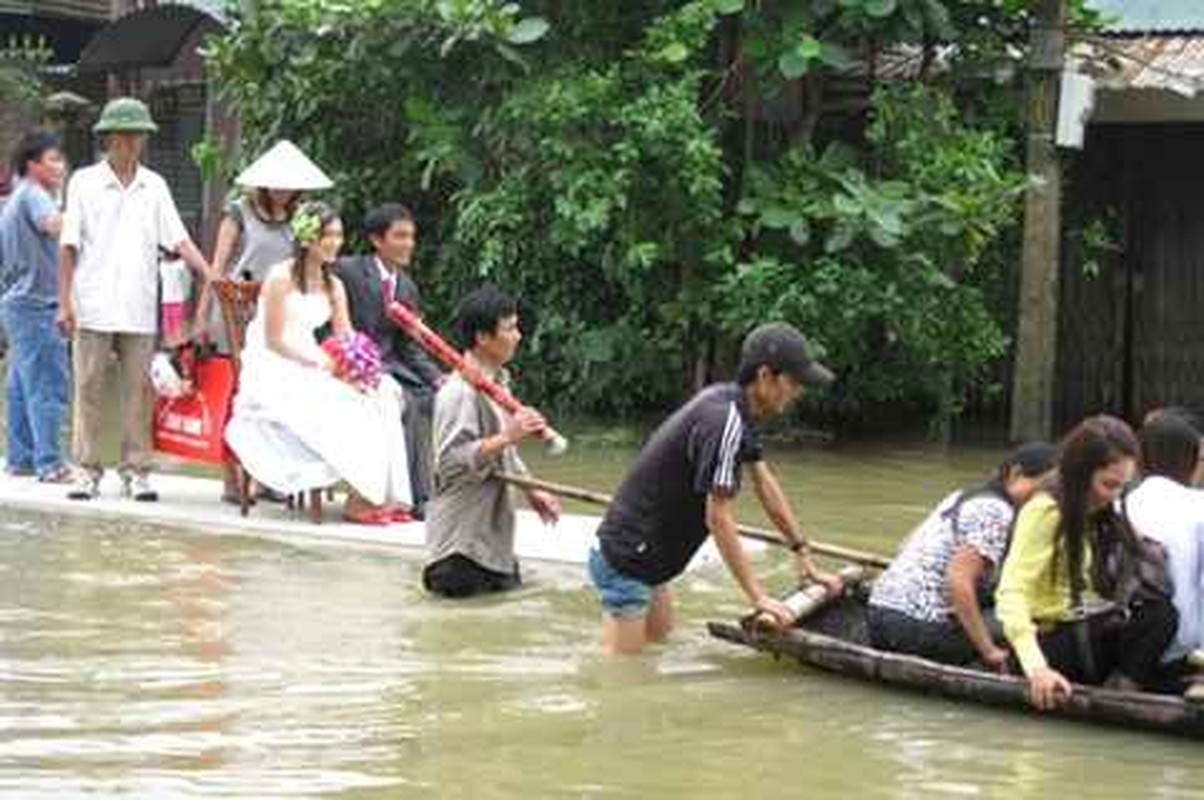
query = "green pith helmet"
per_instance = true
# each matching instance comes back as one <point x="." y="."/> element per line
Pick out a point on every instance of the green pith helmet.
<point x="125" y="114"/>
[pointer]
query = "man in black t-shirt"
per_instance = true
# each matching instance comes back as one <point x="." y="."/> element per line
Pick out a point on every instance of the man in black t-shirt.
<point x="683" y="486"/>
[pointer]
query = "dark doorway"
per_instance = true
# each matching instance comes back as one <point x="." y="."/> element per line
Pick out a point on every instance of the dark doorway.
<point x="1131" y="336"/>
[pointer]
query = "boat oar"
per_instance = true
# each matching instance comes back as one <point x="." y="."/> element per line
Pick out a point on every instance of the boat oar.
<point x="758" y="534"/>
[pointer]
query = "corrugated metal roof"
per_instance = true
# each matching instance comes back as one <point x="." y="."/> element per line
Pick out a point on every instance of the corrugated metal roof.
<point x="1152" y="16"/>
<point x="1172" y="63"/>
<point x="72" y="9"/>
<point x="149" y="37"/>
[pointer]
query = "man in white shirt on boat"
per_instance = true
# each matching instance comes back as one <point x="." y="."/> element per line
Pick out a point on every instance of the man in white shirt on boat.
<point x="1168" y="508"/>
<point x="119" y="216"/>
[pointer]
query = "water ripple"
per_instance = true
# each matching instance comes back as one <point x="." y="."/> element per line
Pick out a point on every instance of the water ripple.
<point x="139" y="662"/>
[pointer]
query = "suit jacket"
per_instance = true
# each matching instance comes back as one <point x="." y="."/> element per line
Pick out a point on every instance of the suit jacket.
<point x="403" y="357"/>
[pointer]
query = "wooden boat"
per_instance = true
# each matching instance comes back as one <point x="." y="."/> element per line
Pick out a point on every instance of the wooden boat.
<point x="833" y="636"/>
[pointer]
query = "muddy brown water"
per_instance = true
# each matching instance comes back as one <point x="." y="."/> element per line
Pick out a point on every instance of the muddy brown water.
<point x="141" y="661"/>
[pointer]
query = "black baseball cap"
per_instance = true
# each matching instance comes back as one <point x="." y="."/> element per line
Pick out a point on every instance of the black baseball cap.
<point x="780" y="346"/>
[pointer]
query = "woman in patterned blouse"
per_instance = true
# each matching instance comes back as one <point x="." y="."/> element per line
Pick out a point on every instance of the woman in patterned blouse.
<point x="927" y="602"/>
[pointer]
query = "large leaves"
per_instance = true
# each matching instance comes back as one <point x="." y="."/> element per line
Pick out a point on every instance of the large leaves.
<point x="576" y="160"/>
<point x="880" y="9"/>
<point x="883" y="256"/>
<point x="795" y="62"/>
<point x="528" y="30"/>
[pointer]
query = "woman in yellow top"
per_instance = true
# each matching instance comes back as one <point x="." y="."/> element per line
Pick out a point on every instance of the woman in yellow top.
<point x="1050" y="567"/>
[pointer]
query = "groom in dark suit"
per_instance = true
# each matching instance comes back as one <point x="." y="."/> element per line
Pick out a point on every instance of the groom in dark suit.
<point x="368" y="279"/>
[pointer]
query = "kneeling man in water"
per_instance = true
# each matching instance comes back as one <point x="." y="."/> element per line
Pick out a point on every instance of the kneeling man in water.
<point x="470" y="521"/>
<point x="926" y="603"/>
<point x="683" y="486"/>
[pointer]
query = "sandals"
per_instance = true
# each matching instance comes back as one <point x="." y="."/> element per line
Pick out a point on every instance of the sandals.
<point x="369" y="516"/>
<point x="60" y="474"/>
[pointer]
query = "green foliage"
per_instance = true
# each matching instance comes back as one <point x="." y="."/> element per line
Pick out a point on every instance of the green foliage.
<point x="210" y="159"/>
<point x="20" y="59"/>
<point x="603" y="197"/>
<point x="591" y="190"/>
<point x="21" y="87"/>
<point x="1095" y="243"/>
<point x="883" y="262"/>
<point x="581" y="156"/>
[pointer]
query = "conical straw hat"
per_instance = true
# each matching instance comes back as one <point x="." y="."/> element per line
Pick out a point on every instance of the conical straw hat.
<point x="284" y="167"/>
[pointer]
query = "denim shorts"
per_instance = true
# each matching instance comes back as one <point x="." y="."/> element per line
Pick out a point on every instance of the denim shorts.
<point x="622" y="596"/>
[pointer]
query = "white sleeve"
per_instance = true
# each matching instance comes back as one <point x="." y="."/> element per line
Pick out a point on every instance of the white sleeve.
<point x="171" y="228"/>
<point x="72" y="232"/>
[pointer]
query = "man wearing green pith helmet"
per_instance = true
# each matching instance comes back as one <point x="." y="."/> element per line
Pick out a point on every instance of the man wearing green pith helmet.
<point x="119" y="216"/>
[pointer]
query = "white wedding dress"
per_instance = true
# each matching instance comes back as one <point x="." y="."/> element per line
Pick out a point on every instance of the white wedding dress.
<point x="296" y="427"/>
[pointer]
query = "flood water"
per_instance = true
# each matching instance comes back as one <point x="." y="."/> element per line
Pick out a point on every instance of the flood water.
<point x="148" y="662"/>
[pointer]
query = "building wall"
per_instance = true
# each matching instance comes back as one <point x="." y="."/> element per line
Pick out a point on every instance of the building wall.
<point x="180" y="113"/>
<point x="182" y="105"/>
<point x="64" y="26"/>
<point x="177" y="95"/>
<point x="1147" y="105"/>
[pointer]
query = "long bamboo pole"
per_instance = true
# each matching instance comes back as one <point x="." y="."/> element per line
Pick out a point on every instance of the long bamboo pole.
<point x="434" y="344"/>
<point x="758" y="534"/>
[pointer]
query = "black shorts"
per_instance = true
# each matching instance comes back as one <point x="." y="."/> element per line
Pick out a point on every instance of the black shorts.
<point x="460" y="576"/>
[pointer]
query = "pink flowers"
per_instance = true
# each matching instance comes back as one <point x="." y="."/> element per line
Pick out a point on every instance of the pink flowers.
<point x="355" y="358"/>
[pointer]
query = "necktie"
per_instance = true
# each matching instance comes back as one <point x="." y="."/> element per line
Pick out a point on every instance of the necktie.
<point x="388" y="289"/>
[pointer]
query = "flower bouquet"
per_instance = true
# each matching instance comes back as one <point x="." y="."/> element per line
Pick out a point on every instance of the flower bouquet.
<point x="355" y="359"/>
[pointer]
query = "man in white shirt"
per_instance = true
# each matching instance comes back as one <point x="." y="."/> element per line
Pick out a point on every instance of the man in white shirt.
<point x="1167" y="508"/>
<point x="119" y="216"/>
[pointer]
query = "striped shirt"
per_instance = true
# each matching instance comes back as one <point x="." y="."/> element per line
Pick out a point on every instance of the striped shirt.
<point x="658" y="518"/>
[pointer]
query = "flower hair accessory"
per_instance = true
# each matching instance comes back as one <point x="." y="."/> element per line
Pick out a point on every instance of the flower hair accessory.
<point x="306" y="225"/>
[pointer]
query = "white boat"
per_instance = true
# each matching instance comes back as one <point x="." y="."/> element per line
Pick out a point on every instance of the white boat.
<point x="194" y="504"/>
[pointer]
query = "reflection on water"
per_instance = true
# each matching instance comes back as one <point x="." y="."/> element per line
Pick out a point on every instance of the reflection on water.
<point x="146" y="662"/>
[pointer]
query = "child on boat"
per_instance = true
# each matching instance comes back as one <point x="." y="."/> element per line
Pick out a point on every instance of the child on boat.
<point x="1066" y="538"/>
<point x="926" y="603"/>
<point x="470" y="520"/>
<point x="683" y="487"/>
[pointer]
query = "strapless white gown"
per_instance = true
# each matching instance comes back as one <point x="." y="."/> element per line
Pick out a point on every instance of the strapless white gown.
<point x="296" y="427"/>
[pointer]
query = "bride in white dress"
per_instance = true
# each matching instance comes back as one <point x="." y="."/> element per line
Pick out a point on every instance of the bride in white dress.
<point x="295" y="426"/>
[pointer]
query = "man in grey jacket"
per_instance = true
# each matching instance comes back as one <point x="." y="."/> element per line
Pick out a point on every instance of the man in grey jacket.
<point x="470" y="528"/>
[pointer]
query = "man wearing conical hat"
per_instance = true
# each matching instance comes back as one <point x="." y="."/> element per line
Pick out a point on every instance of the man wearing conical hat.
<point x="119" y="216"/>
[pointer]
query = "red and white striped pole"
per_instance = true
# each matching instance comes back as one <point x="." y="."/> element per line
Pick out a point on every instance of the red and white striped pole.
<point x="434" y="344"/>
